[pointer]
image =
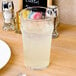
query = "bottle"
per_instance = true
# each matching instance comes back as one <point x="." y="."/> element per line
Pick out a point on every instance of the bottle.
<point x="53" y="12"/>
<point x="8" y="15"/>
<point x="56" y="19"/>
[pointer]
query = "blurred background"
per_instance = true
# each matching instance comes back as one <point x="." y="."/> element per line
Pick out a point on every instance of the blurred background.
<point x="67" y="9"/>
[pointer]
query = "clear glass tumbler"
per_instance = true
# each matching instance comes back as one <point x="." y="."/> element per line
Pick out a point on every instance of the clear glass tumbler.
<point x="36" y="30"/>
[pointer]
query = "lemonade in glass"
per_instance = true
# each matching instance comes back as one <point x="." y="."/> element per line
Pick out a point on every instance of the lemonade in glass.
<point x="37" y="37"/>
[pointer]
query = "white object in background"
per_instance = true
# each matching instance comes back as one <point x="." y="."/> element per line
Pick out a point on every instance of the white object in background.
<point x="5" y="54"/>
<point x="7" y="16"/>
<point x="22" y="74"/>
<point x="52" y="11"/>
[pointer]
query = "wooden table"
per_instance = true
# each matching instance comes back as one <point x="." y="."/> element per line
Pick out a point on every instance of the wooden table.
<point x="63" y="56"/>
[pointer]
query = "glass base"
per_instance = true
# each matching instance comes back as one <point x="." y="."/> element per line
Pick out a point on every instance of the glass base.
<point x="37" y="68"/>
<point x="8" y="27"/>
<point x="18" y="31"/>
<point x="55" y="34"/>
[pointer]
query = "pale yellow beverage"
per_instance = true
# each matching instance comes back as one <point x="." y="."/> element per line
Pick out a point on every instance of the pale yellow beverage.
<point x="37" y="52"/>
<point x="37" y="37"/>
<point x="37" y="45"/>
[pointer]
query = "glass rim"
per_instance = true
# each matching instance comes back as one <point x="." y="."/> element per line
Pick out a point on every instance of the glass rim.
<point x="53" y="6"/>
<point x="46" y="18"/>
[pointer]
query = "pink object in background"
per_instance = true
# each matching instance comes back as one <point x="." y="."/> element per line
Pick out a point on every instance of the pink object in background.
<point x="36" y="15"/>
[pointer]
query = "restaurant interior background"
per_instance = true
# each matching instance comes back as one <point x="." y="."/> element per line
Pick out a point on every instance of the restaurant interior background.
<point x="63" y="54"/>
<point x="67" y="10"/>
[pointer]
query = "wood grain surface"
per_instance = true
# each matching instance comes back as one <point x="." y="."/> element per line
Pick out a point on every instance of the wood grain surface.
<point x="63" y="54"/>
